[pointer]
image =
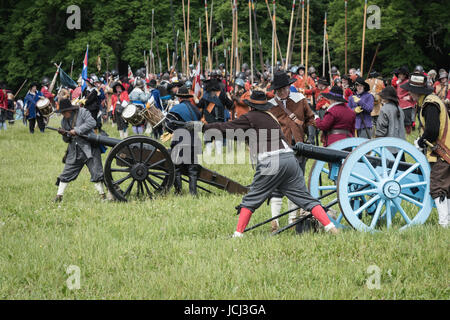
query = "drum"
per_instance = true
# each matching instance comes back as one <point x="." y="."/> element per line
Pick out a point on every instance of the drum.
<point x="133" y="115"/>
<point x="153" y="115"/>
<point x="45" y="107"/>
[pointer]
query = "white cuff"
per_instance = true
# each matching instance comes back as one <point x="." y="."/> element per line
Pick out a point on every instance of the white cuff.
<point x="329" y="226"/>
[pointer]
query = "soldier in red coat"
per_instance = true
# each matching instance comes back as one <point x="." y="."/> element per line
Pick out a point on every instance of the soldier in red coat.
<point x="339" y="120"/>
<point x="322" y="87"/>
<point x="44" y="89"/>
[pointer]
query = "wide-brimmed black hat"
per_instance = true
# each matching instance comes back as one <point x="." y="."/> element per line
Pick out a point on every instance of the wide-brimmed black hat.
<point x="66" y="105"/>
<point x="389" y="93"/>
<point x="418" y="83"/>
<point x="403" y="70"/>
<point x="212" y="85"/>
<point x="361" y="81"/>
<point x="258" y="101"/>
<point x="280" y="80"/>
<point x="34" y="84"/>
<point x="115" y="84"/>
<point x="323" y="81"/>
<point x="183" y="92"/>
<point x="374" y="74"/>
<point x="336" y="93"/>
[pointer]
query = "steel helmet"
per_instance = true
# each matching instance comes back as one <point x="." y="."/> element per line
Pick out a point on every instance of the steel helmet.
<point x="240" y="82"/>
<point x="45" y="81"/>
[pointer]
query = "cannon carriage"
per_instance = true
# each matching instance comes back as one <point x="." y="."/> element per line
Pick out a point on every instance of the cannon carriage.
<point x="367" y="185"/>
<point x="141" y="167"/>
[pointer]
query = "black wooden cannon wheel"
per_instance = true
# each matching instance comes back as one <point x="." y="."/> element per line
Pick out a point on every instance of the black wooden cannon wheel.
<point x="138" y="167"/>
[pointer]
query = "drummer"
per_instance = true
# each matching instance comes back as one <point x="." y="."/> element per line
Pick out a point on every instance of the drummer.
<point x="31" y="111"/>
<point x="139" y="98"/>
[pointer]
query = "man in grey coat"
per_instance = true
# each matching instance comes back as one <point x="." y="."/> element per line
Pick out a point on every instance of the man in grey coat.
<point x="390" y="122"/>
<point x="78" y="121"/>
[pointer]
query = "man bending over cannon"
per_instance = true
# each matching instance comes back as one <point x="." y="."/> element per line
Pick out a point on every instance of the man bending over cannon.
<point x="276" y="166"/>
<point x="75" y="122"/>
<point x="435" y="140"/>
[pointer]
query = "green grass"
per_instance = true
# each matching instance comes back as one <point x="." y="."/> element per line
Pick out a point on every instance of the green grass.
<point x="180" y="247"/>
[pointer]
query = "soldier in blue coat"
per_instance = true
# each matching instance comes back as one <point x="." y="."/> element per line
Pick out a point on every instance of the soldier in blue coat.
<point x="31" y="111"/>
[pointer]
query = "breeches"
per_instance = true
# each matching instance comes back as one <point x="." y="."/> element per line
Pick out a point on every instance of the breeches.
<point x="287" y="178"/>
<point x="94" y="164"/>
<point x="440" y="179"/>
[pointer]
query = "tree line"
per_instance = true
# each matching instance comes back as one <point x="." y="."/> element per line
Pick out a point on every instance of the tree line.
<point x="34" y="34"/>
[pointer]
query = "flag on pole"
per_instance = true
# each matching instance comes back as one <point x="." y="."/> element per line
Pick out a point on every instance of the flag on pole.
<point x="196" y="85"/>
<point x="130" y="74"/>
<point x="66" y="80"/>
<point x="84" y="73"/>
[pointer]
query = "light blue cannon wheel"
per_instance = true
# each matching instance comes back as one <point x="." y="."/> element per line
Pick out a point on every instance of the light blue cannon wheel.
<point x="393" y="186"/>
<point x="319" y="183"/>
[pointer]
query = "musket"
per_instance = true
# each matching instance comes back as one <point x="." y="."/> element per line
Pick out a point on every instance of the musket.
<point x="373" y="60"/>
<point x="273" y="26"/>
<point x="303" y="32"/>
<point x="251" y="39"/>
<point x="288" y="51"/>
<point x="329" y="59"/>
<point x="324" y="45"/>
<point x="20" y="88"/>
<point x="345" y="23"/>
<point x="261" y="59"/>
<point x="52" y="85"/>
<point x="157" y="52"/>
<point x="151" y="42"/>
<point x="71" y="69"/>
<point x="184" y="58"/>
<point x="295" y="31"/>
<point x="363" y="37"/>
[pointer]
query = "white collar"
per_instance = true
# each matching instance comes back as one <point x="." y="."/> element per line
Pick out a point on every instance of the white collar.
<point x="332" y="105"/>
<point x="294" y="96"/>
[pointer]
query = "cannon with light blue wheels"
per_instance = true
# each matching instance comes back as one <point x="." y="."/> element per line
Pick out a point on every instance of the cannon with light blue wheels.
<point x="367" y="182"/>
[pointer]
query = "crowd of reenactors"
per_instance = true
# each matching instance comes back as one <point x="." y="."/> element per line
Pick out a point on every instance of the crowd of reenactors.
<point x="302" y="105"/>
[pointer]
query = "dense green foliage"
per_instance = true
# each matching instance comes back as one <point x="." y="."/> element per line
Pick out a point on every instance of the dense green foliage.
<point x="34" y="33"/>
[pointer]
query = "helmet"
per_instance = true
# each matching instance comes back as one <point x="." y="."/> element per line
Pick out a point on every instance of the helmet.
<point x="419" y="69"/>
<point x="221" y="65"/>
<point x="188" y="84"/>
<point x="140" y="73"/>
<point x="442" y="74"/>
<point x="293" y="69"/>
<point x="334" y="70"/>
<point x="191" y="66"/>
<point x="114" y="73"/>
<point x="140" y="83"/>
<point x="213" y="73"/>
<point x="94" y="78"/>
<point x="311" y="70"/>
<point x="240" y="82"/>
<point x="245" y="66"/>
<point x="45" y="81"/>
<point x="301" y="67"/>
<point x="241" y="75"/>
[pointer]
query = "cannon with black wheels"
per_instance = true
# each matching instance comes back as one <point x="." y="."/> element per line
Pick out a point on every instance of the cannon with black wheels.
<point x="368" y="185"/>
<point x="141" y="167"/>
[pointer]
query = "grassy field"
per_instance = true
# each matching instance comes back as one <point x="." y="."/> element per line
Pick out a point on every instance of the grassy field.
<point x="180" y="248"/>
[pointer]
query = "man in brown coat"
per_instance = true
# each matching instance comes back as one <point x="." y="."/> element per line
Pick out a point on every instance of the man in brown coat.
<point x="295" y="117"/>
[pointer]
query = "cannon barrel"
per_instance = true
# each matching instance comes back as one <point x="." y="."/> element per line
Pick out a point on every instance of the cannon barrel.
<point x="98" y="139"/>
<point x="336" y="156"/>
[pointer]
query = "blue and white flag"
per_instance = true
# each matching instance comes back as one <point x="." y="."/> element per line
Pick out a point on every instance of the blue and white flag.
<point x="84" y="72"/>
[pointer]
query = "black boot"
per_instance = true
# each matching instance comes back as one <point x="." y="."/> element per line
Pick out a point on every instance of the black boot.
<point x="193" y="175"/>
<point x="177" y="183"/>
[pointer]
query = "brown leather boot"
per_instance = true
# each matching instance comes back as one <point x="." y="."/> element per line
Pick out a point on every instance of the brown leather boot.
<point x="58" y="198"/>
